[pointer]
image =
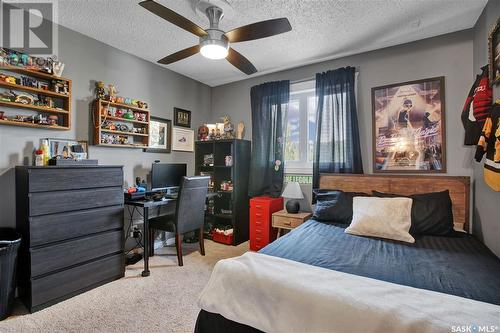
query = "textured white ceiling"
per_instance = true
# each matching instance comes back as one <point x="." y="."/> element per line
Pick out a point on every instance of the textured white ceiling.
<point x="321" y="29"/>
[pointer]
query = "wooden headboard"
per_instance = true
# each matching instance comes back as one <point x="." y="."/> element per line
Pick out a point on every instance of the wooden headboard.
<point x="459" y="188"/>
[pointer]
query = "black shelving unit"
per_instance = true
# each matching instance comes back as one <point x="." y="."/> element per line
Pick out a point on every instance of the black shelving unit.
<point x="230" y="207"/>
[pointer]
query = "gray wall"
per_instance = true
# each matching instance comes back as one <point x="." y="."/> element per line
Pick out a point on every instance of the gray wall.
<point x="486" y="216"/>
<point x="88" y="60"/>
<point x="449" y="56"/>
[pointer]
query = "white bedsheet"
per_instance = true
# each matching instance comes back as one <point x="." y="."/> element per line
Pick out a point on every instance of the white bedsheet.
<point x="279" y="295"/>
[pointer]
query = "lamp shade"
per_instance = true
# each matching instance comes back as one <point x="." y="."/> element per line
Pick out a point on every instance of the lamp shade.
<point x="292" y="191"/>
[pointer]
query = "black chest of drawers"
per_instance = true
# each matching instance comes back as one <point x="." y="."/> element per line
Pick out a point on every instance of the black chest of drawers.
<point x="71" y="222"/>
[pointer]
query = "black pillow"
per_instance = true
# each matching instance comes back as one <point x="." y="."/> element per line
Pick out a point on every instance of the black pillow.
<point x="335" y="206"/>
<point x="431" y="213"/>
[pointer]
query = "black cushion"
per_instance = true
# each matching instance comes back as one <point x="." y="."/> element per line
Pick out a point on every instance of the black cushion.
<point x="335" y="206"/>
<point x="164" y="222"/>
<point x="431" y="213"/>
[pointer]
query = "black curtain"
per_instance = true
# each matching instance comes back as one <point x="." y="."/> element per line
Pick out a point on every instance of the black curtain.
<point x="269" y="107"/>
<point x="337" y="148"/>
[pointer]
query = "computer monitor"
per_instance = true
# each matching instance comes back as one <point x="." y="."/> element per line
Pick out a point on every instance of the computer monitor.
<point x="166" y="175"/>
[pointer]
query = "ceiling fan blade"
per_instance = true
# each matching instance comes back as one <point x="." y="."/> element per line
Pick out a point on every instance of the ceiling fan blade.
<point x="240" y="62"/>
<point x="259" y="30"/>
<point x="173" y="17"/>
<point x="182" y="54"/>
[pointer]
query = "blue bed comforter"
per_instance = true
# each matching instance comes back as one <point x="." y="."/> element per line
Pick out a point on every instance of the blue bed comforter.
<point x="460" y="266"/>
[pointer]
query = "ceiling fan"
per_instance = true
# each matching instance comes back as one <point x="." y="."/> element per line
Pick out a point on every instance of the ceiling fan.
<point x="214" y="43"/>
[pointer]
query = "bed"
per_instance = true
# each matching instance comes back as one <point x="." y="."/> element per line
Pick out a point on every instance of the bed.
<point x="457" y="270"/>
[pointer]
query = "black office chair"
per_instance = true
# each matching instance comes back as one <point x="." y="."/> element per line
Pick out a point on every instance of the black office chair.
<point x="189" y="214"/>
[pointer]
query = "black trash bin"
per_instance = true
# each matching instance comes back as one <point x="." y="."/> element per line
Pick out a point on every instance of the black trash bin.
<point x="10" y="241"/>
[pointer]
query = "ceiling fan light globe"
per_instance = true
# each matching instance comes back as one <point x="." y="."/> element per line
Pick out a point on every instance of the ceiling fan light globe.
<point x="214" y="51"/>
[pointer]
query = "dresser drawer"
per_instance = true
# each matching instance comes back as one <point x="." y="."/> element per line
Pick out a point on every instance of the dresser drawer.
<point x="63" y="201"/>
<point x="59" y="179"/>
<point x="70" y="281"/>
<point x="53" y="257"/>
<point x="286" y="222"/>
<point x="57" y="227"/>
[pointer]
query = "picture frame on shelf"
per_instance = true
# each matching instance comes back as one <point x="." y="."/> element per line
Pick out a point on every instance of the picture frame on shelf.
<point x="62" y="148"/>
<point x="160" y="135"/>
<point x="182" y="118"/>
<point x="494" y="53"/>
<point x="408" y="132"/>
<point x="182" y="139"/>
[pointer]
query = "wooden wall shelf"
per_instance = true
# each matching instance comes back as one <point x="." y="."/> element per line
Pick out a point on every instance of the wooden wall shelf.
<point x="133" y="140"/>
<point x="33" y="107"/>
<point x="62" y="100"/>
<point x="21" y="124"/>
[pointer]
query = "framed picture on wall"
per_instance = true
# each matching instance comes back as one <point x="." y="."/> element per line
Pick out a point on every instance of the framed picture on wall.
<point x="160" y="135"/>
<point x="494" y="53"/>
<point x="409" y="127"/>
<point x="182" y="118"/>
<point x="182" y="139"/>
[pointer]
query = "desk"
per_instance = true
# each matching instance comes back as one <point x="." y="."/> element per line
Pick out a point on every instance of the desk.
<point x="146" y="205"/>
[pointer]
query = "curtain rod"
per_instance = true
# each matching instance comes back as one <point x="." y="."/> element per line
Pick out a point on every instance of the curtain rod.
<point x="309" y="79"/>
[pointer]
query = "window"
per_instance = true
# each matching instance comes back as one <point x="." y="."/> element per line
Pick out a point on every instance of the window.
<point x="300" y="129"/>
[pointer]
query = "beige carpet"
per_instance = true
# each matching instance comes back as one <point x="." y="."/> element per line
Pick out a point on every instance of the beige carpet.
<point x="162" y="302"/>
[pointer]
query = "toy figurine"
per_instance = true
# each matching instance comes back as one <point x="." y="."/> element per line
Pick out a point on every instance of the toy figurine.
<point x="120" y="100"/>
<point x="240" y="133"/>
<point x="211" y="136"/>
<point x="129" y="115"/>
<point x="128" y="101"/>
<point x="203" y="133"/>
<point x="24" y="99"/>
<point x="228" y="128"/>
<point x="13" y="59"/>
<point x="112" y="93"/>
<point x="10" y="79"/>
<point x="52" y="119"/>
<point x="217" y="134"/>
<point x="142" y="105"/>
<point x="58" y="68"/>
<point x="99" y="90"/>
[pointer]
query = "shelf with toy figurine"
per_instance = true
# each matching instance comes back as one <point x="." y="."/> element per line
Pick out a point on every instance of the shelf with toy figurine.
<point x="33" y="91"/>
<point x="123" y="132"/>
<point x="31" y="124"/>
<point x="118" y="121"/>
<point x="33" y="107"/>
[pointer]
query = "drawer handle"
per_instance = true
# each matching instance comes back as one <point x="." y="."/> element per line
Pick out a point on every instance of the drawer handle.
<point x="258" y="206"/>
<point x="287" y="223"/>
<point x="258" y="239"/>
<point x="258" y="214"/>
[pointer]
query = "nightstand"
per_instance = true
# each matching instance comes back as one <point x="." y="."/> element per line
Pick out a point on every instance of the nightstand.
<point x="286" y="221"/>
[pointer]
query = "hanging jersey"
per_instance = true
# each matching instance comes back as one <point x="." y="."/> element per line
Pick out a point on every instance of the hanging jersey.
<point x="489" y="145"/>
<point x="477" y="107"/>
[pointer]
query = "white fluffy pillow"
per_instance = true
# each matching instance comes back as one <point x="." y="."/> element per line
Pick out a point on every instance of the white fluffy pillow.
<point x="381" y="217"/>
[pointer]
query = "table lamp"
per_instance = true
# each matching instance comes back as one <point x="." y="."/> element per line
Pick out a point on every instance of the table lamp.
<point x="292" y="192"/>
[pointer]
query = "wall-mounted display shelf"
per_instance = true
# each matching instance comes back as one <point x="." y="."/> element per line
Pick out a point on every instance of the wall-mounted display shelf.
<point x="120" y="125"/>
<point x="34" y="99"/>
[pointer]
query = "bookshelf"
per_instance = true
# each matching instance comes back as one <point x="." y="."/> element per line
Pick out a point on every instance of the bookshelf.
<point x="230" y="207"/>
